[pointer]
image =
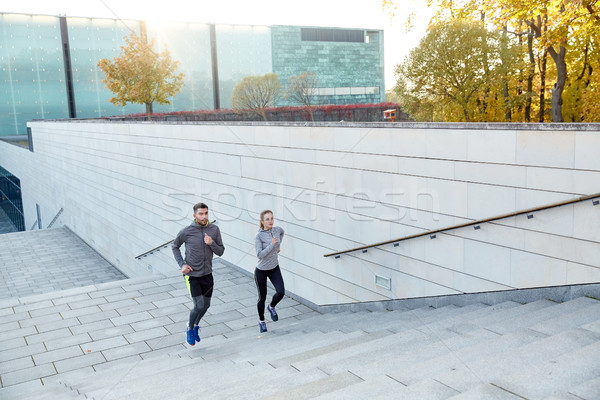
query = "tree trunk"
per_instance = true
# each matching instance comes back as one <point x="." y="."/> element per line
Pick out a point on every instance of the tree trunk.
<point x="543" y="86"/>
<point x="507" y="110"/>
<point x="529" y="77"/>
<point x="149" y="111"/>
<point x="561" y="79"/>
<point x="466" y="112"/>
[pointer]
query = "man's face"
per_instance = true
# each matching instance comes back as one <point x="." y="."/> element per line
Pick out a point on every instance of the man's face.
<point x="201" y="216"/>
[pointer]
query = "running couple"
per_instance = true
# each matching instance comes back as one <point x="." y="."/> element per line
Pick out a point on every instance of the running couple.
<point x="202" y="240"/>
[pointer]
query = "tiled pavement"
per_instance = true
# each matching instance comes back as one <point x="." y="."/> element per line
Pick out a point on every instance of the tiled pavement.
<point x="92" y="327"/>
<point x="125" y="340"/>
<point x="41" y="261"/>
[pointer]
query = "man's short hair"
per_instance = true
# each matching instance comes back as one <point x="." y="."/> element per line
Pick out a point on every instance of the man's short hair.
<point x="199" y="205"/>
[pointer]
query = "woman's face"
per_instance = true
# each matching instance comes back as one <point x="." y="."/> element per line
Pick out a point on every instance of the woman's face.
<point x="267" y="221"/>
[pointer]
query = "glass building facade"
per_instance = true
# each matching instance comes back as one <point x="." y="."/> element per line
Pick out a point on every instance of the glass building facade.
<point x="48" y="64"/>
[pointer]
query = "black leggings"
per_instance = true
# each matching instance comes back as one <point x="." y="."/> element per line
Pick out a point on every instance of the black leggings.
<point x="201" y="289"/>
<point x="260" y="278"/>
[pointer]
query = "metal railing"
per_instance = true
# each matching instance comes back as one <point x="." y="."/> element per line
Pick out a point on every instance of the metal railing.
<point x="55" y="218"/>
<point x="432" y="234"/>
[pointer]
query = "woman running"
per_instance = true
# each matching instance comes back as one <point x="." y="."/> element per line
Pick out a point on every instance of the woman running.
<point x="267" y="242"/>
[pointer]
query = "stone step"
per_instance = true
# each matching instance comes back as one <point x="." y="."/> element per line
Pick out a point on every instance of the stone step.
<point x="426" y="389"/>
<point x="264" y="384"/>
<point x="457" y="357"/>
<point x="541" y="315"/>
<point x="388" y="347"/>
<point x="560" y="323"/>
<point x="589" y="389"/>
<point x="553" y="374"/>
<point x="315" y="388"/>
<point x="500" y="315"/>
<point x="485" y="391"/>
<point x="488" y="369"/>
<point x="284" y="348"/>
<point x="309" y="359"/>
<point x="198" y="381"/>
<point x="250" y="348"/>
<point x="369" y="389"/>
<point x="34" y="390"/>
<point x="398" y="360"/>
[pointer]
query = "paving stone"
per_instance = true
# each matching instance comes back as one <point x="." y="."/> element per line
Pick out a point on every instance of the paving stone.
<point x="118" y="304"/>
<point x="146" y="334"/>
<point x="12" y="343"/>
<point x="131" y="318"/>
<point x="87" y="303"/>
<point x="16" y="364"/>
<point x="9" y="326"/>
<point x="105" y="315"/>
<point x="106" y="292"/>
<point x="171" y="302"/>
<point x="67" y="341"/>
<point x="126" y="351"/>
<point x="162" y="311"/>
<point x="152" y="323"/>
<point x="156" y="289"/>
<point x="104" y="344"/>
<point x="137" y="308"/>
<point x="110" y="331"/>
<point x="71" y="299"/>
<point x="48" y="336"/>
<point x="50" y="310"/>
<point x="80" y="312"/>
<point x="78" y="362"/>
<point x="152" y="297"/>
<point x="22" y="332"/>
<point x="57" y="355"/>
<point x="33" y="306"/>
<point x="28" y="374"/>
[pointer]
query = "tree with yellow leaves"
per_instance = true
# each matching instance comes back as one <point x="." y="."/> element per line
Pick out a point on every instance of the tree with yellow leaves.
<point x="141" y="75"/>
<point x="566" y="30"/>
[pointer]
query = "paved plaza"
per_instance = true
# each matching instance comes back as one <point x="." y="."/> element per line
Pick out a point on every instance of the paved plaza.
<point x="44" y="261"/>
<point x="124" y="338"/>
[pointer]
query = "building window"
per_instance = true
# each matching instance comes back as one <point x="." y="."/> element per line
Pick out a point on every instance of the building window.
<point x="332" y="35"/>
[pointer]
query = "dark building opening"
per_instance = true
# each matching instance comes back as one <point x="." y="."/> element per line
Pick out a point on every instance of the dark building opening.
<point x="11" y="203"/>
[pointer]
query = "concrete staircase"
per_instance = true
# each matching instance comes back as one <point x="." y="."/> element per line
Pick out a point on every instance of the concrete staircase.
<point x="538" y="350"/>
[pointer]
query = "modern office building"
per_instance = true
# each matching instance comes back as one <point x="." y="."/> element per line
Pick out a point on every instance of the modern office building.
<point x="48" y="64"/>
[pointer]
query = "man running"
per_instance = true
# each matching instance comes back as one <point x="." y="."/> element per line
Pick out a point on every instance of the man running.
<point x="202" y="239"/>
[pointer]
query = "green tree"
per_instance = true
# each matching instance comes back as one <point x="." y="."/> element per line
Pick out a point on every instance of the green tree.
<point x="563" y="30"/>
<point x="141" y="75"/>
<point x="256" y="93"/>
<point x="302" y="89"/>
<point x="456" y="66"/>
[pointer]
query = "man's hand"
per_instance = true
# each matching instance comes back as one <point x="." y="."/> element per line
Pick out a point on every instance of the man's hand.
<point x="186" y="269"/>
<point x="207" y="239"/>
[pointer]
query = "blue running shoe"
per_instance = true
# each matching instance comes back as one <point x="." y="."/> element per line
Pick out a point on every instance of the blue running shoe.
<point x="263" y="326"/>
<point x="274" y="315"/>
<point x="196" y="333"/>
<point x="190" y="337"/>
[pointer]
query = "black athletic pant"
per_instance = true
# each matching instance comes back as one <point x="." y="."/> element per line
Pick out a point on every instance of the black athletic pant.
<point x="201" y="290"/>
<point x="260" y="278"/>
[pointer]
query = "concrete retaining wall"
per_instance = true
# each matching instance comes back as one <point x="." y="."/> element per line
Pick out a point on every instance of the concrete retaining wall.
<point x="129" y="187"/>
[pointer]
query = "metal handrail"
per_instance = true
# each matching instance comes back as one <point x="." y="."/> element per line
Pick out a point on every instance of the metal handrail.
<point x="478" y="222"/>
<point x="55" y="218"/>
<point x="162" y="246"/>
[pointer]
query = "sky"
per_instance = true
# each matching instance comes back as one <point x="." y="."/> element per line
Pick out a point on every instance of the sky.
<point x="367" y="14"/>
